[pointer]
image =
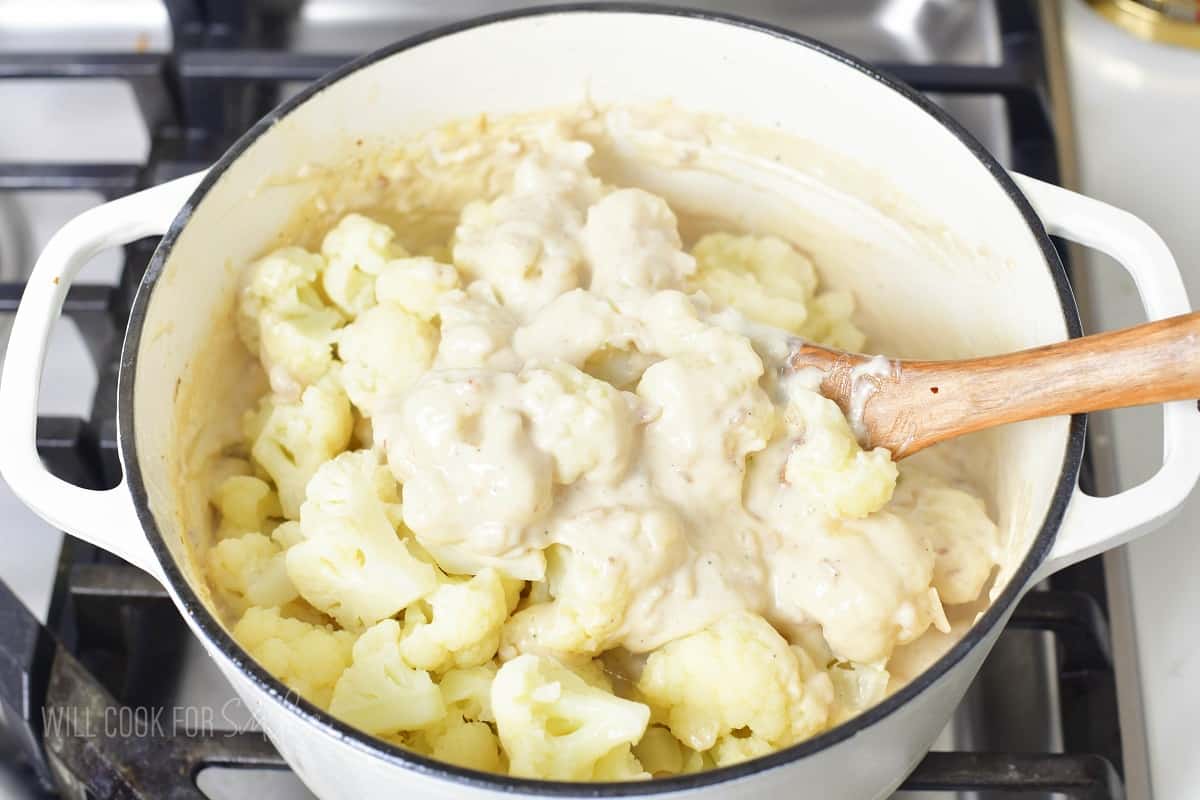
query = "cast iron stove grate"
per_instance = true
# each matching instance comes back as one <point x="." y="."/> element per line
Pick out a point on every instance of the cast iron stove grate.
<point x="113" y="637"/>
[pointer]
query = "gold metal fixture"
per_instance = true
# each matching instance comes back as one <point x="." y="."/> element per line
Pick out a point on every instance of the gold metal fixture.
<point x="1174" y="22"/>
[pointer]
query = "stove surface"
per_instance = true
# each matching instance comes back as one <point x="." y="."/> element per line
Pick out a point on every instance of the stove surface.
<point x="998" y="715"/>
<point x="1136" y="105"/>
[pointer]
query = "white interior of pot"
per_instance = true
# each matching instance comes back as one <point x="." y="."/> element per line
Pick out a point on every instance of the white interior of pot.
<point x="941" y="262"/>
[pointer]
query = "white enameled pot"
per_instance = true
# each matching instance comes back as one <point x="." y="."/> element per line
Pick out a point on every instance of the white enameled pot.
<point x="614" y="55"/>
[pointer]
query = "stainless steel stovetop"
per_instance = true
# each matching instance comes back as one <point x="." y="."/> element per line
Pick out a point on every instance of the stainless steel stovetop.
<point x="98" y="120"/>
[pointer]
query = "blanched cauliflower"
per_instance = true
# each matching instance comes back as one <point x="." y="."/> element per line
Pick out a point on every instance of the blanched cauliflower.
<point x="771" y="282"/>
<point x="357" y="248"/>
<point x="468" y="691"/>
<point x="593" y="587"/>
<point x="619" y="764"/>
<point x="464" y="630"/>
<point x="555" y="726"/>
<point x="830" y="324"/>
<point x="576" y="328"/>
<point x="820" y="465"/>
<point x="379" y="692"/>
<point x="964" y="539"/>
<point x="383" y="352"/>
<point x="659" y="752"/>
<point x="867" y="582"/>
<point x="476" y="331"/>
<point x="283" y="319"/>
<point x="737" y="674"/>
<point x="307" y="658"/>
<point x="352" y="564"/>
<point x="473" y="477"/>
<point x="764" y="277"/>
<point x="697" y="449"/>
<point x="583" y="477"/>
<point x="463" y="736"/>
<point x="250" y="570"/>
<point x="416" y="284"/>
<point x="463" y="742"/>
<point x="291" y="440"/>
<point x="631" y="239"/>
<point x="247" y="505"/>
<point x="586" y="425"/>
<point x="856" y="687"/>
<point x="525" y="243"/>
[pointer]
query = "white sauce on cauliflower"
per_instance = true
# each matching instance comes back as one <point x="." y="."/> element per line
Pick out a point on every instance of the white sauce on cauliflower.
<point x="579" y="402"/>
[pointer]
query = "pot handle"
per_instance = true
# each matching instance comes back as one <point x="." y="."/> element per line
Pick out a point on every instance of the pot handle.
<point x="107" y="518"/>
<point x="1095" y="524"/>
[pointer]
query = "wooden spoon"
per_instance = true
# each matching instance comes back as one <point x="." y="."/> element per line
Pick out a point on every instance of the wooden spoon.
<point x="907" y="406"/>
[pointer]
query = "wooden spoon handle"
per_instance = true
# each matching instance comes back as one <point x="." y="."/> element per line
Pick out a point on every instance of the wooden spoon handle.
<point x="935" y="400"/>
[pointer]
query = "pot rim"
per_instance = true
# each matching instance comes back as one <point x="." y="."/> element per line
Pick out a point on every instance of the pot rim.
<point x="204" y="620"/>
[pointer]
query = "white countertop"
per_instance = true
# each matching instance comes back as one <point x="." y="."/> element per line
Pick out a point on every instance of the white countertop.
<point x="1136" y="106"/>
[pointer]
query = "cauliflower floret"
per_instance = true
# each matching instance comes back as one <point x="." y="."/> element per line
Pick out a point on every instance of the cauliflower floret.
<point x="463" y="736"/>
<point x="352" y="564"/>
<point x="771" y="282"/>
<point x="283" y="319"/>
<point x="525" y="243"/>
<point x="287" y="534"/>
<point x="468" y="691"/>
<point x="856" y="688"/>
<point x="290" y="440"/>
<point x="709" y="420"/>
<point x="357" y="249"/>
<point x="619" y="764"/>
<point x="250" y="570"/>
<point x="473" y="477"/>
<point x="246" y="504"/>
<point x="631" y="239"/>
<point x="465" y="626"/>
<point x="597" y="588"/>
<point x="764" y="277"/>
<point x="381" y="694"/>
<point x="734" y="750"/>
<point x="814" y="462"/>
<point x="659" y="752"/>
<point x="465" y="743"/>
<point x="284" y="280"/>
<point x="555" y="726"/>
<point x="476" y="332"/>
<point x="707" y="406"/>
<point x="585" y="425"/>
<point x="829" y="322"/>
<point x="883" y="599"/>
<point x="297" y="351"/>
<point x="384" y="351"/>
<point x="965" y="541"/>
<point x="416" y="284"/>
<point x="737" y="674"/>
<point x="308" y="658"/>
<point x="574" y="327"/>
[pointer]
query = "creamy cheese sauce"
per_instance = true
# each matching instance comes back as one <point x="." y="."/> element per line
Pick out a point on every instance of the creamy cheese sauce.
<point x="544" y="373"/>
<point x="700" y="483"/>
<point x="864" y="382"/>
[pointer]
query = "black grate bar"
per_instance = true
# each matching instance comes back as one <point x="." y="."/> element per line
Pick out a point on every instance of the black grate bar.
<point x="81" y="65"/>
<point x="25" y="664"/>
<point x="1080" y="777"/>
<point x="256" y="65"/>
<point x="281" y="65"/>
<point x="963" y="79"/>
<point x="82" y="298"/>
<point x="121" y="581"/>
<point x="108" y="179"/>
<point x="1076" y="620"/>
